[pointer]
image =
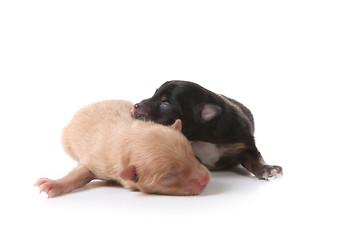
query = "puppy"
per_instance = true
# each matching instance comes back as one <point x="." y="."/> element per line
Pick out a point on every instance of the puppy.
<point x="109" y="144"/>
<point x="220" y="129"/>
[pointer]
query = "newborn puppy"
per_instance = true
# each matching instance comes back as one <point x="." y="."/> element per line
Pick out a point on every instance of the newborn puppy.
<point x="109" y="144"/>
<point x="221" y="129"/>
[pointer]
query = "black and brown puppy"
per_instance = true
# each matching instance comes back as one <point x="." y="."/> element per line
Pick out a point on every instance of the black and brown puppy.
<point x="221" y="130"/>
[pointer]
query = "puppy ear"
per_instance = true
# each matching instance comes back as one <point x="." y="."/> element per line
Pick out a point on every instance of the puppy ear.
<point x="177" y="125"/>
<point x="207" y="112"/>
<point x="129" y="173"/>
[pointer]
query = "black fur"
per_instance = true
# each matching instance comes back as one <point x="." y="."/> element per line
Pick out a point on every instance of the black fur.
<point x="206" y="117"/>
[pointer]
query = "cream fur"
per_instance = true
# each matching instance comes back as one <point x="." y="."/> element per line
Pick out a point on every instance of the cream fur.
<point x="109" y="144"/>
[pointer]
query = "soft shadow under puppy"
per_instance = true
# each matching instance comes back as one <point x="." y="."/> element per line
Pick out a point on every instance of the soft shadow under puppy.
<point x="215" y="188"/>
<point x="231" y="179"/>
<point x="240" y="171"/>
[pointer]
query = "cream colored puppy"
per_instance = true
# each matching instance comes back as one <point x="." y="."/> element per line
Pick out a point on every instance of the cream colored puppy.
<point x="109" y="144"/>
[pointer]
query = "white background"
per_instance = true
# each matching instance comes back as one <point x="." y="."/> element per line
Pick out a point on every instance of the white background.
<point x="279" y="58"/>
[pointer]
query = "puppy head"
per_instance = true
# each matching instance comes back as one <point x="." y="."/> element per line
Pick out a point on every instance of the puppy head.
<point x="162" y="162"/>
<point x="178" y="100"/>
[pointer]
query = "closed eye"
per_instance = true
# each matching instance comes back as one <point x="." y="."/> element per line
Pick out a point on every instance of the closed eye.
<point x="165" y="102"/>
<point x="164" y="99"/>
<point x="169" y="176"/>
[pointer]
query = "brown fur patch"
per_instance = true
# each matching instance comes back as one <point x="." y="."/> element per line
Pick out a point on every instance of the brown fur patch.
<point x="234" y="148"/>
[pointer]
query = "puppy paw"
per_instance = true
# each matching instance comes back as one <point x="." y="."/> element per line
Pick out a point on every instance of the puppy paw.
<point x="268" y="172"/>
<point x="51" y="187"/>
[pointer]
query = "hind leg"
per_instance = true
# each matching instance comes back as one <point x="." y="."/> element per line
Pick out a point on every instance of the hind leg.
<point x="77" y="178"/>
<point x="255" y="164"/>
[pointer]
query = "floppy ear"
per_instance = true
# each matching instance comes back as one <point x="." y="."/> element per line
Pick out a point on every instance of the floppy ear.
<point x="206" y="112"/>
<point x="177" y="125"/>
<point x="129" y="173"/>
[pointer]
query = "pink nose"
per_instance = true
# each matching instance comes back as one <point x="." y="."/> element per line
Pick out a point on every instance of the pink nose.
<point x="199" y="181"/>
<point x="202" y="179"/>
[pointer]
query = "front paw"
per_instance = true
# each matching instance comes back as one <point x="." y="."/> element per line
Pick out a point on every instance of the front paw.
<point x="268" y="172"/>
<point x="51" y="187"/>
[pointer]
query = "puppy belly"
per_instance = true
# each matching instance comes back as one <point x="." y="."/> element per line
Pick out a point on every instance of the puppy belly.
<point x="216" y="157"/>
<point x="208" y="153"/>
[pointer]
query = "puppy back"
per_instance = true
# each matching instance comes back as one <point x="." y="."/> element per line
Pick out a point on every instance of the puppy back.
<point x="92" y="124"/>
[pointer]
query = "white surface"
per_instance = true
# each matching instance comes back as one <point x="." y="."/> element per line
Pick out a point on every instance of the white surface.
<point x="279" y="59"/>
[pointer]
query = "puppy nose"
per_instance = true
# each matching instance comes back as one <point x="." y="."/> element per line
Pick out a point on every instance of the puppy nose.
<point x="199" y="181"/>
<point x="137" y="105"/>
<point x="203" y="179"/>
